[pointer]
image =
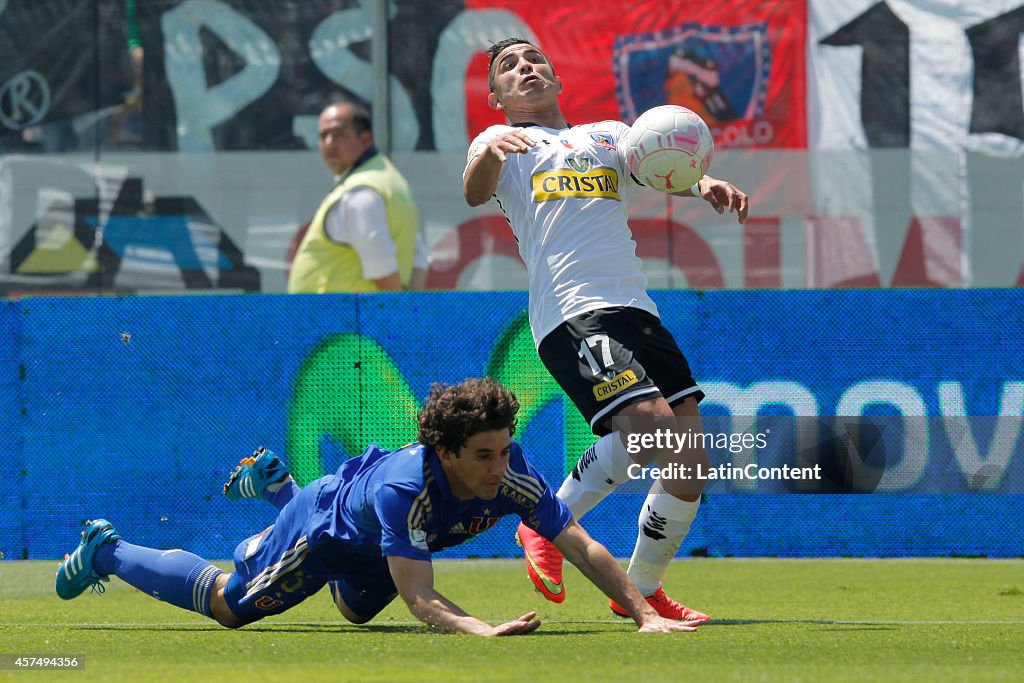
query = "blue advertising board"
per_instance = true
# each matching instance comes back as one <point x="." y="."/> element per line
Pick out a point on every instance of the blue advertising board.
<point x="137" y="408"/>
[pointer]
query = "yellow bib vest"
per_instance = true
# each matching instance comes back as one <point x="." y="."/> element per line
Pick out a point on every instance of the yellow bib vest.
<point x="321" y="265"/>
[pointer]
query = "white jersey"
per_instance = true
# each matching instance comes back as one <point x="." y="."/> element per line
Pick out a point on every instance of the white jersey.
<point x="565" y="201"/>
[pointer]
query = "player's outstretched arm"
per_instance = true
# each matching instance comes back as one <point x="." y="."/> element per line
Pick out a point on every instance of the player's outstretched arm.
<point x="597" y="564"/>
<point x="415" y="582"/>
<point x="481" y="177"/>
<point x="721" y="195"/>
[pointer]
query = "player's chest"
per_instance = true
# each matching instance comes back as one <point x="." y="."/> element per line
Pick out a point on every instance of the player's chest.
<point x="443" y="531"/>
<point x="573" y="150"/>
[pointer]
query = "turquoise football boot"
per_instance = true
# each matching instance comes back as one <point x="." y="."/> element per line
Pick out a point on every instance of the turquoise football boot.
<point x="76" y="574"/>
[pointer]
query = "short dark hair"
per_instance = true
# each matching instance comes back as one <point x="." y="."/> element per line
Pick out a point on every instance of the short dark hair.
<point x="455" y="413"/>
<point x="494" y="50"/>
<point x="361" y="119"/>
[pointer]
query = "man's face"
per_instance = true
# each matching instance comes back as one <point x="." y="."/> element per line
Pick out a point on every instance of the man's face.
<point x="480" y="465"/>
<point x="522" y="72"/>
<point x="340" y="144"/>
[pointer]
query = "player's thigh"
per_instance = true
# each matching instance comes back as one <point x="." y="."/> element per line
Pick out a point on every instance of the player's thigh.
<point x="276" y="568"/>
<point x="665" y="363"/>
<point x="671" y="372"/>
<point x="592" y="357"/>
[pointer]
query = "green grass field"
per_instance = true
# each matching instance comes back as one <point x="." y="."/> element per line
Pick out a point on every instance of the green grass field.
<point x="792" y="620"/>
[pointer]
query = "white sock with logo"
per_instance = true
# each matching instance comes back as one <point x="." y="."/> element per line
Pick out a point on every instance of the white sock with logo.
<point x="599" y="471"/>
<point x="664" y="522"/>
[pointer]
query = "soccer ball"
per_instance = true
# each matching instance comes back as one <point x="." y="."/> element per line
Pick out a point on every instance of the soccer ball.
<point x="669" y="148"/>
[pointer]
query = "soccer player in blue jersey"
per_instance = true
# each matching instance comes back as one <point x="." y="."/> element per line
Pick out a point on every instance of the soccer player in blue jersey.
<point x="370" y="529"/>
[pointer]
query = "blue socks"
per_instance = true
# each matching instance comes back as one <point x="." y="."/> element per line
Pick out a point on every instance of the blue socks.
<point x="174" y="576"/>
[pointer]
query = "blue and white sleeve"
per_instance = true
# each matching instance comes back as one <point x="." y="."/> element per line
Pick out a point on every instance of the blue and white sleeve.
<point x="397" y="535"/>
<point x="545" y="514"/>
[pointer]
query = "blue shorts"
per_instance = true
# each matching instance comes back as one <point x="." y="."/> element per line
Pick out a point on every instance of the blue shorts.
<point x="281" y="566"/>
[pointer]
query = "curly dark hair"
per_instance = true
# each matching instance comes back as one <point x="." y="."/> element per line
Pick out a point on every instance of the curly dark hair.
<point x="494" y="50"/>
<point x="453" y="414"/>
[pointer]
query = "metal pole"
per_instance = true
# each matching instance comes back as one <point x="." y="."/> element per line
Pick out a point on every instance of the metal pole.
<point x="379" y="58"/>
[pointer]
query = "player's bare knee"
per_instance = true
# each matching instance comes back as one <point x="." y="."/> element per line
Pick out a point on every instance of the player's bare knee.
<point x="353" y="618"/>
<point x="228" y="621"/>
<point x="219" y="609"/>
<point x="224" y="616"/>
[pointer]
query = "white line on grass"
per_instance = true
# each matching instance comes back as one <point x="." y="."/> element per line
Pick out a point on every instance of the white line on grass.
<point x="624" y="621"/>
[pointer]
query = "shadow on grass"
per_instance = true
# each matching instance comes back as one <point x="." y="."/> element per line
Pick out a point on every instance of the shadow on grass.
<point x="544" y="630"/>
<point x="551" y="628"/>
<point x="189" y="628"/>
<point x="348" y="629"/>
<point x="142" y="627"/>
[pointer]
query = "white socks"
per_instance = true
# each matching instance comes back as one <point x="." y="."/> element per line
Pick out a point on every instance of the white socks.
<point x="599" y="471"/>
<point x="664" y="519"/>
<point x="664" y="522"/>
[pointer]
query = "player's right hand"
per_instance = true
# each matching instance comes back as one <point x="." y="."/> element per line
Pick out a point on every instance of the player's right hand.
<point x="514" y="141"/>
<point x="521" y="626"/>
<point x="659" y="624"/>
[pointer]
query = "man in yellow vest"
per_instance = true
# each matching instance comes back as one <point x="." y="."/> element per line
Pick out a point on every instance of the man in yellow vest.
<point x="364" y="236"/>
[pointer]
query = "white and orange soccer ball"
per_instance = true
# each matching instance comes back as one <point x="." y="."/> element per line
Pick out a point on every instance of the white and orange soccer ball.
<point x="669" y="148"/>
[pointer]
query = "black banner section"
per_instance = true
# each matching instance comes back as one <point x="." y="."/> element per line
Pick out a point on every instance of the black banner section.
<point x="255" y="74"/>
<point x="60" y="61"/>
<point x="234" y="75"/>
<point x="997" y="106"/>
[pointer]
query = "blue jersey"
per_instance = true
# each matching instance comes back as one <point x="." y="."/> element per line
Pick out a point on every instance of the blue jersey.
<point x="399" y="503"/>
<point x="342" y="527"/>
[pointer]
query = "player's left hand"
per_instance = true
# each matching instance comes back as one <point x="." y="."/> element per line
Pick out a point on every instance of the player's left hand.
<point x="723" y="195"/>
<point x="657" y="624"/>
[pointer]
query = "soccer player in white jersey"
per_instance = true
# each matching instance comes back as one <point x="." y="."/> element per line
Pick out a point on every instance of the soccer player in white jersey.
<point x="597" y="331"/>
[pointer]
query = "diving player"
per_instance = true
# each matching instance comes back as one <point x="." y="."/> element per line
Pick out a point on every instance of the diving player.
<point x="371" y="528"/>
